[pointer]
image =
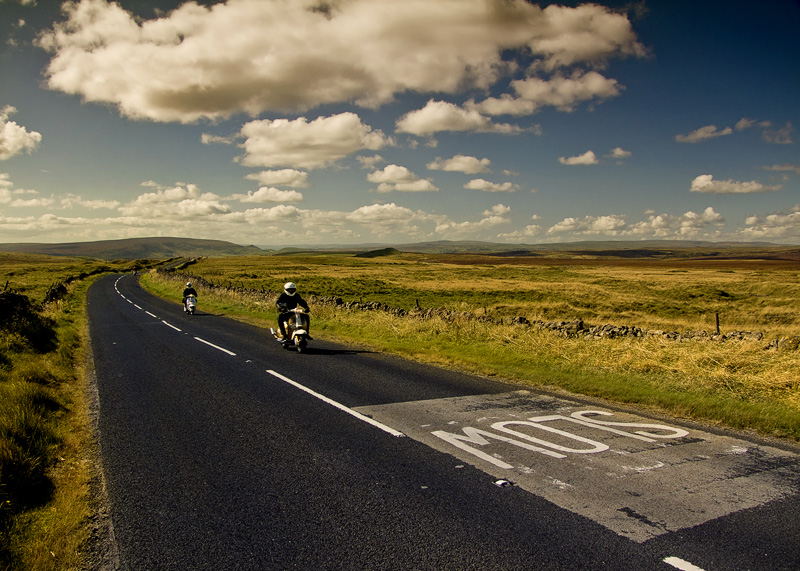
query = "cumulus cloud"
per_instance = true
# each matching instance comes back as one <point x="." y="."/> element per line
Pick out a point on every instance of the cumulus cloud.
<point x="253" y="56"/>
<point x="439" y="116"/>
<point x="461" y="163"/>
<point x="706" y="183"/>
<point x="587" y="158"/>
<point x="495" y="216"/>
<point x="688" y="225"/>
<point x="777" y="225"/>
<point x="182" y="201"/>
<point x="269" y="194"/>
<point x="302" y="144"/>
<point x="609" y="225"/>
<point x="283" y="177"/>
<point x="486" y="186"/>
<point x="619" y="153"/>
<point x="14" y="138"/>
<point x="395" y="177"/>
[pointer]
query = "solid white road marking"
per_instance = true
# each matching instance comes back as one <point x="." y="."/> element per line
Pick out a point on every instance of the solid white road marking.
<point x="341" y="407"/>
<point x="171" y="325"/>
<point x="215" y="346"/>
<point x="679" y="563"/>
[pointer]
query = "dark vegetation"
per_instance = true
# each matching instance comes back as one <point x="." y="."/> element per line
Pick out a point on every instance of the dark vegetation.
<point x="28" y="436"/>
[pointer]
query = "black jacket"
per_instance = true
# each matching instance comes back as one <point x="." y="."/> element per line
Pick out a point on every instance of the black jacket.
<point x="290" y="302"/>
<point x="189" y="291"/>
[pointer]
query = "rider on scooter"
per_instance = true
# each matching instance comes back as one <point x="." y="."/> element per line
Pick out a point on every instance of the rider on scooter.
<point x="189" y="290"/>
<point x="287" y="301"/>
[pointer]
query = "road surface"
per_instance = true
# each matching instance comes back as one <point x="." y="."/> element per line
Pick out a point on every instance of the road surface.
<point x="221" y="450"/>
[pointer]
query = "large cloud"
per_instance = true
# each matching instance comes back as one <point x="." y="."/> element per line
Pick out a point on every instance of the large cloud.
<point x="303" y="144"/>
<point x="257" y="55"/>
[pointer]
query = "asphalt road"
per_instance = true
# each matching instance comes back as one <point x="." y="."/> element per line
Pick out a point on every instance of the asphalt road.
<point x="221" y="450"/>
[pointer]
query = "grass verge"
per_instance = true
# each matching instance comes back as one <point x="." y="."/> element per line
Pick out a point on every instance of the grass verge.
<point x="45" y="503"/>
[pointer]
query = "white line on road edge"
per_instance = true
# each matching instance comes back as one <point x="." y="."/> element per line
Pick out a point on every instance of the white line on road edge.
<point x="679" y="563"/>
<point x="341" y="407"/>
<point x="215" y="346"/>
<point x="151" y="314"/>
<point x="171" y="325"/>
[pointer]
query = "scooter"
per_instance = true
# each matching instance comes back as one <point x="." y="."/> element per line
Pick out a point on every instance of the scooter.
<point x="297" y="330"/>
<point x="190" y="304"/>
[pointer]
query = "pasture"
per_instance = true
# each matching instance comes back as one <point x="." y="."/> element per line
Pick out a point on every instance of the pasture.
<point x="742" y="384"/>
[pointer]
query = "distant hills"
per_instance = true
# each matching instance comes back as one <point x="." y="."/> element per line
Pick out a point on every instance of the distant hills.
<point x="165" y="248"/>
<point x="137" y="248"/>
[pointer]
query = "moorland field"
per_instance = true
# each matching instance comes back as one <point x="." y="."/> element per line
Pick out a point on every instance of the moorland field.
<point x="460" y="309"/>
<point x="742" y="384"/>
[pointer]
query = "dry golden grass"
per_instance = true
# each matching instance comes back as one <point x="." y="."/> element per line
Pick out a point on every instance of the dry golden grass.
<point x="743" y="384"/>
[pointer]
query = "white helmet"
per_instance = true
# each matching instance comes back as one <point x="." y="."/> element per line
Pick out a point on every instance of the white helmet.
<point x="289" y="288"/>
<point x="188" y="284"/>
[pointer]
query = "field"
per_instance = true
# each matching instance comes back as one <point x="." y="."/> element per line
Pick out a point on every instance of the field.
<point x="45" y="433"/>
<point x="741" y="384"/>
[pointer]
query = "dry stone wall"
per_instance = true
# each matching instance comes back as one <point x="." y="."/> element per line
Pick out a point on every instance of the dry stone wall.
<point x="575" y="328"/>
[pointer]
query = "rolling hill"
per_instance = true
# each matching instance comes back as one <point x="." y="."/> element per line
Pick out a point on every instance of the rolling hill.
<point x="137" y="248"/>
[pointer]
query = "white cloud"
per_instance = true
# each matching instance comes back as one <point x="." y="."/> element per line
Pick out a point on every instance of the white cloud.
<point x="369" y="162"/>
<point x="610" y="225"/>
<point x="15" y="139"/>
<point x="705" y="183"/>
<point x="486" y="186"/>
<point x="302" y="144"/>
<point x="689" y="225"/>
<point x="182" y="201"/>
<point x="253" y="56"/>
<point x="461" y="163"/>
<point x="777" y="225"/>
<point x="619" y="153"/>
<point x="269" y="194"/>
<point x="76" y="201"/>
<point x="207" y="139"/>
<point x="283" y="177"/>
<point x="703" y="134"/>
<point x="443" y="116"/>
<point x="587" y="158"/>
<point x="565" y="93"/>
<point x="530" y="231"/>
<point x="495" y="216"/>
<point x="395" y="177"/>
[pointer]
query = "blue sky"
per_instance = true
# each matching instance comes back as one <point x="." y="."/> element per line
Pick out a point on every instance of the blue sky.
<point x="290" y="122"/>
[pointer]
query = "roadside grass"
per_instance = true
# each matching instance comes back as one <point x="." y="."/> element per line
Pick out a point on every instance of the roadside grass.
<point x="736" y="384"/>
<point x="45" y="436"/>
